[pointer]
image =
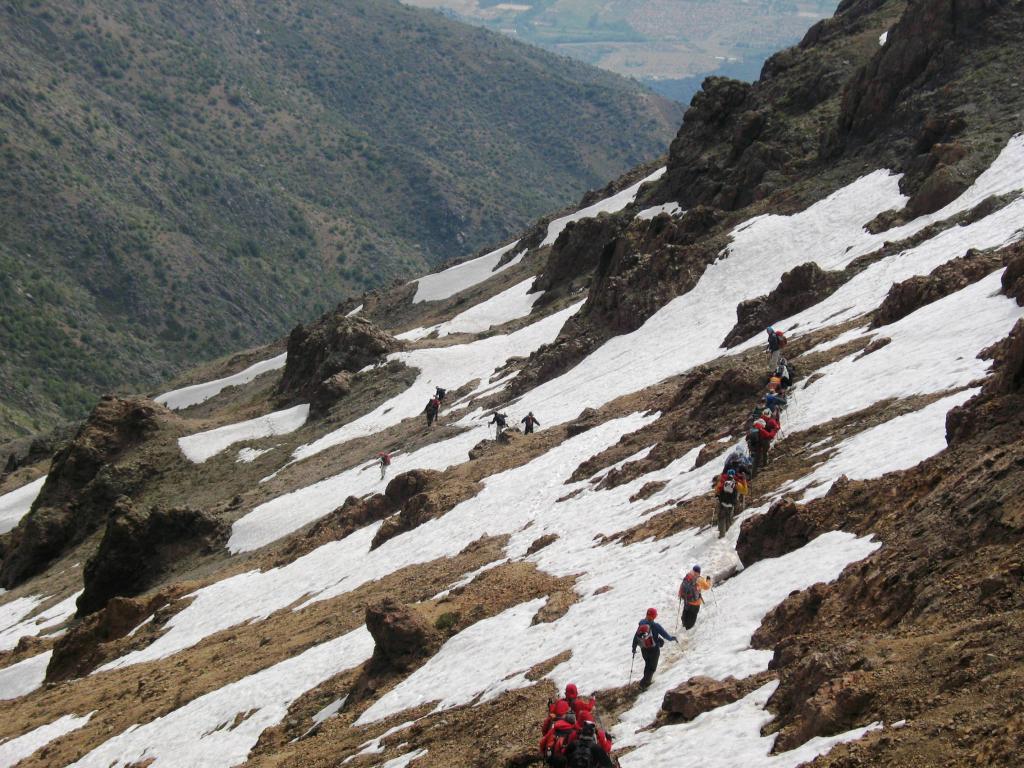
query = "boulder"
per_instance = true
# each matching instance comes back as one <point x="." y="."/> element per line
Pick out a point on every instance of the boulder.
<point x="702" y="694"/>
<point x="332" y="345"/>
<point x="915" y="292"/>
<point x="138" y="545"/>
<point x="799" y="288"/>
<point x="83" y="482"/>
<point x="78" y="652"/>
<point x="401" y="636"/>
<point x="785" y="527"/>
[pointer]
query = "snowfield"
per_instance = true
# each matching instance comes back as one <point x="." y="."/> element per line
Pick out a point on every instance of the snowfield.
<point x="932" y="352"/>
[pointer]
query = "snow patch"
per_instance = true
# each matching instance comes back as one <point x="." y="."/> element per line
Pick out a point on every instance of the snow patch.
<point x="16" y="504"/>
<point x="16" y="750"/>
<point x="202" y="446"/>
<point x="447" y="283"/>
<point x="23" y="677"/>
<point x="200" y="393"/>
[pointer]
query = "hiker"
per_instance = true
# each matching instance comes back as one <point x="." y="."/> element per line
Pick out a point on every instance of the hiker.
<point x="384" y="460"/>
<point x="578" y="705"/>
<point x="755" y="414"/>
<point x="770" y="422"/>
<point x="592" y="746"/>
<point x="689" y="593"/>
<point x="529" y="420"/>
<point x="739" y="460"/>
<point x="727" y="489"/>
<point x="557" y="739"/>
<point x="759" y="438"/>
<point x="650" y="636"/>
<point x="776" y="343"/>
<point x="785" y="373"/>
<point x="775" y="402"/>
<point x="431" y="410"/>
<point x="439" y="393"/>
<point x="500" y="421"/>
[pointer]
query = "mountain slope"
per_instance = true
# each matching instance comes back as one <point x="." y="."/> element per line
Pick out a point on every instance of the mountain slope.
<point x="168" y="171"/>
<point x="241" y="582"/>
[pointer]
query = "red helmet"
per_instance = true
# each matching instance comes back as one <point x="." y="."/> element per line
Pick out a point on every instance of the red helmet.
<point x="561" y="708"/>
<point x="571" y="692"/>
<point x="652" y="613"/>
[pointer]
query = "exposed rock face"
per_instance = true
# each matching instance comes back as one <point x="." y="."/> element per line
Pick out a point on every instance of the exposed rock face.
<point x="32" y="450"/>
<point x="78" y="653"/>
<point x="334" y="344"/>
<point x="915" y="292"/>
<point x="702" y="694"/>
<point x="800" y="288"/>
<point x="83" y="482"/>
<point x="138" y="545"/>
<point x="401" y="635"/>
<point x="785" y="527"/>
<point x="577" y="252"/>
<point x="1013" y="277"/>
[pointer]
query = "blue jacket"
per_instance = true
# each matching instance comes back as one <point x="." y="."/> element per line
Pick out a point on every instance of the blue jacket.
<point x="660" y="635"/>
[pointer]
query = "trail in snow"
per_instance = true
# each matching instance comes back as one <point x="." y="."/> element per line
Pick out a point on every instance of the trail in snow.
<point x="448" y="367"/>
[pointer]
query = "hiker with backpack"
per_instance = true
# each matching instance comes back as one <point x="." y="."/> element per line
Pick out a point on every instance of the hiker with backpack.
<point x="439" y="393"/>
<point x="785" y="373"/>
<point x="760" y="441"/>
<point x="433" y="405"/>
<point x="690" y="594"/>
<point x="557" y="740"/>
<point x="592" y="746"/>
<point x="776" y="343"/>
<point x="649" y="637"/>
<point x="384" y="460"/>
<point x="578" y="705"/>
<point x="500" y="421"/>
<point x="529" y="420"/>
<point x="728" y="491"/>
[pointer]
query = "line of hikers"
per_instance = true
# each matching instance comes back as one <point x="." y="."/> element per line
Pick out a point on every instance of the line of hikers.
<point x="732" y="485"/>
<point x="500" y="422"/>
<point x="571" y="737"/>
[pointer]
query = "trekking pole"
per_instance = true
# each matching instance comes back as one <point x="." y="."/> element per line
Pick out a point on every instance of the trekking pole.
<point x="631" y="669"/>
<point x="679" y="614"/>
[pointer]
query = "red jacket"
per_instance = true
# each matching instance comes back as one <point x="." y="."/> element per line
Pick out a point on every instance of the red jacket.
<point x="579" y="706"/>
<point x="558" y="728"/>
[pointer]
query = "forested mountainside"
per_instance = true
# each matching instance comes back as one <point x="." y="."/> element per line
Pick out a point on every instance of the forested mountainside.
<point x="178" y="180"/>
<point x="399" y="535"/>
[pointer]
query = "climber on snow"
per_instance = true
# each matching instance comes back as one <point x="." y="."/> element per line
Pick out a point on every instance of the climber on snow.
<point x="592" y="746"/>
<point x="776" y="343"/>
<point x="690" y="594"/>
<point x="529" y="420"/>
<point x="729" y="487"/>
<point x="500" y="421"/>
<point x="439" y="393"/>
<point x="578" y="705"/>
<point x="384" y="460"/>
<point x="433" y="405"/>
<point x="649" y="637"/>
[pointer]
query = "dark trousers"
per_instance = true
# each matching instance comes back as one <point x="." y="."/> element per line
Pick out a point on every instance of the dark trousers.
<point x="651" y="656"/>
<point x="690" y="615"/>
<point x="528" y="429"/>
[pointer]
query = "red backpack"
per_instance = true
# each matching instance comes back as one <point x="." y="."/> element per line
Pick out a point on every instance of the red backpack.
<point x="645" y="635"/>
<point x="563" y="738"/>
<point x="782" y="339"/>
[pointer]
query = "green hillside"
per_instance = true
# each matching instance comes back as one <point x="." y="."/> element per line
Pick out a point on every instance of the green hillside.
<point x="182" y="179"/>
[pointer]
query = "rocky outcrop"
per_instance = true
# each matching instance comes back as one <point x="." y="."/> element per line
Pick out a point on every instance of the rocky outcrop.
<point x="915" y="292"/>
<point x="1013" y="277"/>
<point x="138" y="545"/>
<point x="32" y="450"/>
<point x="701" y="694"/>
<point x="784" y="528"/>
<point x="79" y="652"/>
<point x="800" y="288"/>
<point x="84" y="481"/>
<point x="333" y="345"/>
<point x="576" y="254"/>
<point x="402" y="637"/>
